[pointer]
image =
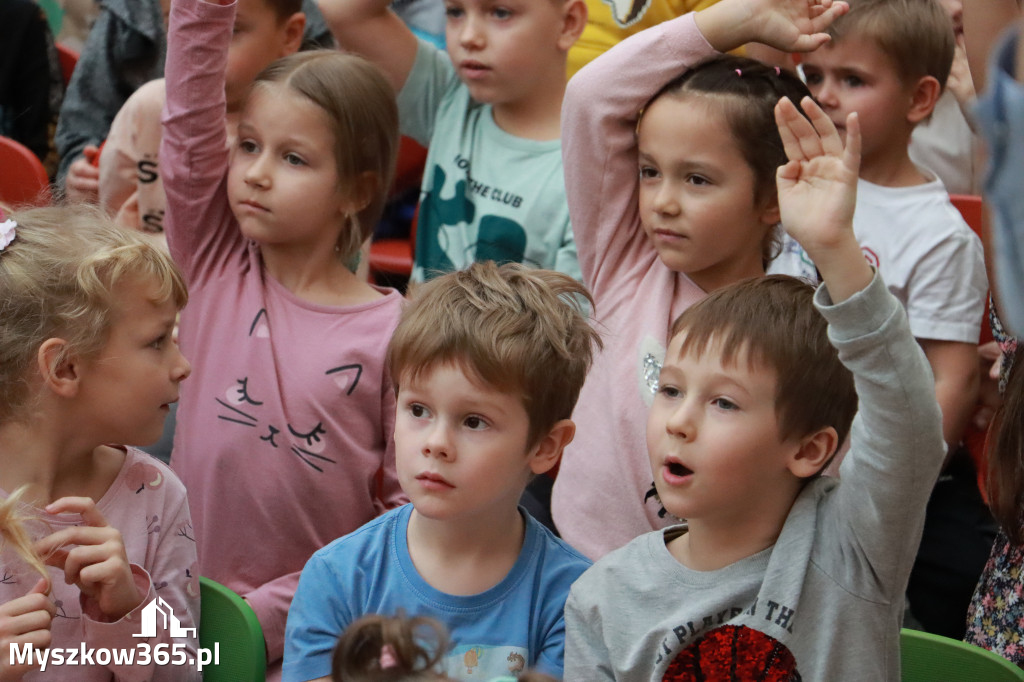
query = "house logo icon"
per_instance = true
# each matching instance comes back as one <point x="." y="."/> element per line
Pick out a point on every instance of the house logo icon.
<point x="158" y="608"/>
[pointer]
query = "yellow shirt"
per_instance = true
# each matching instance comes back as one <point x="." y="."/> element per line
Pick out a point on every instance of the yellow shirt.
<point x="609" y="21"/>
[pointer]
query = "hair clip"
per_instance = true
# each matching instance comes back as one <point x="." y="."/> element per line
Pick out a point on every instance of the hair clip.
<point x="778" y="71"/>
<point x="739" y="72"/>
<point x="7" y="231"/>
<point x="387" y="657"/>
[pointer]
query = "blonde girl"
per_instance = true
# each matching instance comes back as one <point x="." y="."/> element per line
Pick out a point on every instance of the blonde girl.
<point x="284" y="436"/>
<point x="670" y="155"/>
<point x="87" y="367"/>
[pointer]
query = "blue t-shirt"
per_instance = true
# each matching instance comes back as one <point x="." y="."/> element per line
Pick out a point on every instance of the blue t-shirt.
<point x="516" y="624"/>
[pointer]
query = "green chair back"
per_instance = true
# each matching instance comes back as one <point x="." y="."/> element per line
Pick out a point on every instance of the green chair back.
<point x="227" y="624"/>
<point x="931" y="658"/>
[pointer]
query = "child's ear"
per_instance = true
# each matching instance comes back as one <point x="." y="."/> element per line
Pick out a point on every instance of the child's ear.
<point x="923" y="98"/>
<point x="58" y="367"/>
<point x="361" y="192"/>
<point x="574" y="19"/>
<point x="770" y="214"/>
<point x="548" y="451"/>
<point x="814" y="452"/>
<point x="292" y="31"/>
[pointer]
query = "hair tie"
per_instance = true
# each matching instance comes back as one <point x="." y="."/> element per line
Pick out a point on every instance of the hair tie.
<point x="778" y="71"/>
<point x="7" y="231"/>
<point x="387" y="657"/>
<point x="739" y="72"/>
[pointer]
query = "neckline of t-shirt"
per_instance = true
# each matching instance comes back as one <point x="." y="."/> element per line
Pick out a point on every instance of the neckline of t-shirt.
<point x="487" y="599"/>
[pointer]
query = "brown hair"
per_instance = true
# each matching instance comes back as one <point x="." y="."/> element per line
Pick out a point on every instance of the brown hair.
<point x="360" y="106"/>
<point x="916" y="35"/>
<point x="1005" y="449"/>
<point x="773" y="320"/>
<point x="746" y="91"/>
<point x="520" y="330"/>
<point x="284" y="8"/>
<point x="57" y="279"/>
<point x="415" y="645"/>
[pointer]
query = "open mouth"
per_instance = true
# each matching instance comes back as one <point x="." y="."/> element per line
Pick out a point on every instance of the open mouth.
<point x="677" y="469"/>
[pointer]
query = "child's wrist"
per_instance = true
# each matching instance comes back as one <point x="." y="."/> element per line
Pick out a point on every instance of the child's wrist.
<point x="725" y="25"/>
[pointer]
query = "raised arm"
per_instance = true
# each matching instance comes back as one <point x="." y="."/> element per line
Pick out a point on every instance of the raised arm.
<point x="370" y="29"/>
<point x="193" y="151"/>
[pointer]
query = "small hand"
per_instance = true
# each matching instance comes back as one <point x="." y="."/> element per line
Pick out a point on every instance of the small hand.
<point x="82" y="183"/>
<point x="960" y="82"/>
<point x="23" y="621"/>
<point x="98" y="564"/>
<point x="818" y="193"/>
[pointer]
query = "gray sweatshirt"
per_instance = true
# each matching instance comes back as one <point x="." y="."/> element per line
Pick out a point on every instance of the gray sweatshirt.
<point x="826" y="601"/>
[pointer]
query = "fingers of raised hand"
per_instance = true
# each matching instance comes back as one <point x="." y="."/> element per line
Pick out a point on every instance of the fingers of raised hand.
<point x="78" y="505"/>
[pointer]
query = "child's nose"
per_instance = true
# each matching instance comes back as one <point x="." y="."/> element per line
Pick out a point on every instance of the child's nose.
<point x="438" y="442"/>
<point x="682" y="422"/>
<point x="182" y="368"/>
<point x="666" y="200"/>
<point x="471" y="33"/>
<point x="256" y="174"/>
<point x="827" y="95"/>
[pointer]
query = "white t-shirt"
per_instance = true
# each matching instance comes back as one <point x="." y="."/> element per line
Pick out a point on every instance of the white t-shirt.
<point x="928" y="256"/>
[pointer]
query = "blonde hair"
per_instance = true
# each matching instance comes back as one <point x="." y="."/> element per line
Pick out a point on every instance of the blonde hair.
<point x="57" y="280"/>
<point x="520" y="330"/>
<point x="14" y="535"/>
<point x="360" y="106"/>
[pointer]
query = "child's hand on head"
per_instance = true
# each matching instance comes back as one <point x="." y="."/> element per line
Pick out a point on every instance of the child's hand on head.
<point x="787" y="25"/>
<point x="25" y="620"/>
<point x="97" y="562"/>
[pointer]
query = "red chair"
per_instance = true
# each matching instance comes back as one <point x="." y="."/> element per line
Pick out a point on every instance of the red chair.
<point x="68" y="60"/>
<point x="393" y="257"/>
<point x="971" y="208"/>
<point x="23" y="179"/>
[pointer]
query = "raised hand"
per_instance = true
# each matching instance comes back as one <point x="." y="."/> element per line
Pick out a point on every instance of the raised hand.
<point x="96" y="561"/>
<point x="25" y="620"/>
<point x="787" y="25"/>
<point x="818" y="193"/>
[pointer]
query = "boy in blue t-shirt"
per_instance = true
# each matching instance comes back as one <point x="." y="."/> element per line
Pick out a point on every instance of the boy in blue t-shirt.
<point x="488" y="364"/>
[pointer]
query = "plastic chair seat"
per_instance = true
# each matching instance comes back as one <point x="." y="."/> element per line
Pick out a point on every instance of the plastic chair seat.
<point x="228" y="622"/>
<point x="393" y="256"/>
<point x="926" y="658"/>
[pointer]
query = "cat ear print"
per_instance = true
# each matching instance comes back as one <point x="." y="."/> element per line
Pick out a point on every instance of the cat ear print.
<point x="346" y="377"/>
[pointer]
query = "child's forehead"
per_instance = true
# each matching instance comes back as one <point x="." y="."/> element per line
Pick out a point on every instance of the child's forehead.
<point x="731" y="357"/>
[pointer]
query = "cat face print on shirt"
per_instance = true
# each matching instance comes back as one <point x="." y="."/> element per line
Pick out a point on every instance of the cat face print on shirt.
<point x="241" y="403"/>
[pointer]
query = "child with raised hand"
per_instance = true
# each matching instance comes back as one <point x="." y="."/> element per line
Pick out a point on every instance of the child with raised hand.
<point x="760" y="384"/>
<point x="677" y="200"/>
<point x="87" y="366"/>
<point x="488" y="110"/>
<point x="284" y="438"/>
<point x="487" y="363"/>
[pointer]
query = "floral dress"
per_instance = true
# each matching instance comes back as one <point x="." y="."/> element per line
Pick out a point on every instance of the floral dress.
<point x="995" y="618"/>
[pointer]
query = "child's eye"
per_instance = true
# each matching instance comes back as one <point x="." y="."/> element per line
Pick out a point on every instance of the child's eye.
<point x="294" y="160"/>
<point x="417" y="410"/>
<point x="158" y="343"/>
<point x="647" y="172"/>
<point x="698" y="180"/>
<point x="501" y="13"/>
<point x="670" y="391"/>
<point x="475" y="423"/>
<point x="812" y="78"/>
<point x="248" y="146"/>
<point x="853" y="81"/>
<point x="725" y="404"/>
<point x="453" y="12"/>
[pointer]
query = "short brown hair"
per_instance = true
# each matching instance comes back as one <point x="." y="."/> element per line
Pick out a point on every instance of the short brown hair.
<point x="520" y="330"/>
<point x="773" y="320"/>
<point x="360" y="107"/>
<point x="284" y="8"/>
<point x="916" y="35"/>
